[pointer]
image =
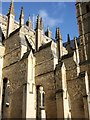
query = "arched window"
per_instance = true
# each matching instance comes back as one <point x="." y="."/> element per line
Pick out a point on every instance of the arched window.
<point x="42" y="96"/>
<point x="7" y="94"/>
<point x="40" y="102"/>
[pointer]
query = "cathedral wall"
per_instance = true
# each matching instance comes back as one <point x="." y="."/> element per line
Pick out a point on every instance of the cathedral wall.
<point x="83" y="18"/>
<point x="86" y="23"/>
<point x="70" y="65"/>
<point x="44" y="67"/>
<point x="12" y="57"/>
<point x="1" y="66"/>
<point x="44" y="61"/>
<point x="12" y="50"/>
<point x="88" y="44"/>
<point x="84" y="7"/>
<point x="43" y="54"/>
<point x="1" y="63"/>
<point x="59" y="92"/>
<point x="86" y="67"/>
<point x="12" y="43"/>
<point x="47" y="81"/>
<point x="76" y="89"/>
<point x="17" y="75"/>
<point x="44" y="75"/>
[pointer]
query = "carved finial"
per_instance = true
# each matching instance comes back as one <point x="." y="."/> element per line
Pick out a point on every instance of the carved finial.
<point x="10" y="19"/>
<point x="11" y="9"/>
<point x="47" y="28"/>
<point x="22" y="13"/>
<point x="38" y="22"/>
<point x="29" y="22"/>
<point x="69" y="48"/>
<point x="21" y="17"/>
<point x="48" y="33"/>
<point x="58" y="35"/>
<point x="68" y="39"/>
<point x="59" y="43"/>
<point x="41" y="24"/>
<point x="29" y="19"/>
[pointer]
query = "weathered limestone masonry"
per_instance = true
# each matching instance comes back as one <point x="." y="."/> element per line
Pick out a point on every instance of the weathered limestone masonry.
<point x="14" y="70"/>
<point x="2" y="49"/>
<point x="40" y="77"/>
<point x="70" y="89"/>
<point x="83" y="18"/>
<point x="44" y="75"/>
<point x="73" y="85"/>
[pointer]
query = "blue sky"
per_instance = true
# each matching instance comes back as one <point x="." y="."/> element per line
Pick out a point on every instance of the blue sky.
<point x="55" y="14"/>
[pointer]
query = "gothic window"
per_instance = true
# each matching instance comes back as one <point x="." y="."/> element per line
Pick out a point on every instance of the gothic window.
<point x="42" y="94"/>
<point x="4" y="90"/>
<point x="7" y="93"/>
<point x="87" y="8"/>
<point x="40" y="102"/>
<point x="40" y="97"/>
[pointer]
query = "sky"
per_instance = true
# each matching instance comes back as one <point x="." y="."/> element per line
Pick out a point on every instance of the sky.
<point x="54" y="14"/>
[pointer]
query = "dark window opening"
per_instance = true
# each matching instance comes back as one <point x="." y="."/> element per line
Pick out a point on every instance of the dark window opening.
<point x="3" y="93"/>
<point x="87" y="8"/>
<point x="43" y="99"/>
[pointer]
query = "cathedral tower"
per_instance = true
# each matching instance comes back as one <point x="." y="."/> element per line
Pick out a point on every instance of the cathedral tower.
<point x="83" y="18"/>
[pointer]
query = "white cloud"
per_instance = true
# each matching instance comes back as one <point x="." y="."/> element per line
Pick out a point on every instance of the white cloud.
<point x="48" y="20"/>
<point x="43" y="13"/>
